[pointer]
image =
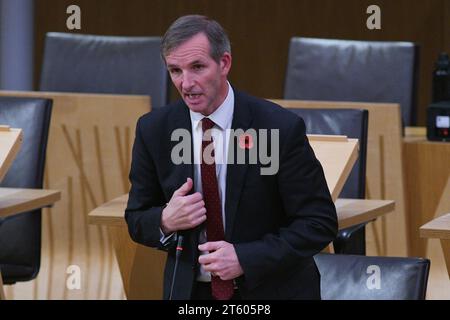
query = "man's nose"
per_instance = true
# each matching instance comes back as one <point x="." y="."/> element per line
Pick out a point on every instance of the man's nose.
<point x="187" y="81"/>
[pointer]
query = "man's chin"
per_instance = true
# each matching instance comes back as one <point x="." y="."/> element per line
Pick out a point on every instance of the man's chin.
<point x="195" y="107"/>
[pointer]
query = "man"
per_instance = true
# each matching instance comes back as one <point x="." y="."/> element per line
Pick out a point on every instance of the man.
<point x="245" y="234"/>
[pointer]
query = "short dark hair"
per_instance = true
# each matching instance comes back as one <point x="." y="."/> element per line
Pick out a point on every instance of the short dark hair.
<point x="188" y="26"/>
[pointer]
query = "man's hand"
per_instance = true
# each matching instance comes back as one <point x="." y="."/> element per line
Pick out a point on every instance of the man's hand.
<point x="183" y="211"/>
<point x="222" y="260"/>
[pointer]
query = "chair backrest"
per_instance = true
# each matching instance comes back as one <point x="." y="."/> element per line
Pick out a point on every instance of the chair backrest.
<point x="350" y="122"/>
<point x="105" y="64"/>
<point x="344" y="70"/>
<point x="20" y="235"/>
<point x="355" y="277"/>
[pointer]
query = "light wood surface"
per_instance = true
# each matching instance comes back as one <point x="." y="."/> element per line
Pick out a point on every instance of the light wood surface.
<point x="10" y="142"/>
<point x="337" y="154"/>
<point x="110" y="213"/>
<point x="2" y="291"/>
<point x="445" y="244"/>
<point x="14" y="200"/>
<point x="142" y="268"/>
<point x="427" y="174"/>
<point x="384" y="171"/>
<point x="415" y="132"/>
<point x="355" y="211"/>
<point x="350" y="211"/>
<point x="88" y="159"/>
<point x="437" y="228"/>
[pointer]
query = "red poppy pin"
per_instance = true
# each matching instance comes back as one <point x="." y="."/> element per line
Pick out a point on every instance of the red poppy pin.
<point x="245" y="141"/>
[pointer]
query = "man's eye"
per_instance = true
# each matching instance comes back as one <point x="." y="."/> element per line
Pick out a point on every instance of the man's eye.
<point x="198" y="67"/>
<point x="175" y="71"/>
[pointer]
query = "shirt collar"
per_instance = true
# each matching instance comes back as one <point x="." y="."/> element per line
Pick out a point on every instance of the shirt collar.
<point x="223" y="115"/>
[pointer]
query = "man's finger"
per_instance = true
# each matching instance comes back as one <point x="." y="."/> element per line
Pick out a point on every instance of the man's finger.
<point x="195" y="206"/>
<point x="184" y="189"/>
<point x="199" y="220"/>
<point x="194" y="198"/>
<point x="211" y="246"/>
<point x="212" y="267"/>
<point x="206" y="259"/>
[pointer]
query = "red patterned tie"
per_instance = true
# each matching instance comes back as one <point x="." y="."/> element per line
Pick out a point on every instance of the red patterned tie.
<point x="221" y="289"/>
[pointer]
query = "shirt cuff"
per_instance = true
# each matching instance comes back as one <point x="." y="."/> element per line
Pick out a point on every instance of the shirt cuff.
<point x="165" y="239"/>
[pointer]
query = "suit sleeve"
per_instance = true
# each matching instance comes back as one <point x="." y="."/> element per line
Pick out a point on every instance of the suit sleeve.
<point x="310" y="215"/>
<point x="146" y="199"/>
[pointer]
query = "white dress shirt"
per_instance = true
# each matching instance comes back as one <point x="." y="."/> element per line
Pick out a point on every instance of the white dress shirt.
<point x="222" y="117"/>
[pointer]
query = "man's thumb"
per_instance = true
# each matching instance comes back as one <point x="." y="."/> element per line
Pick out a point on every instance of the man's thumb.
<point x="185" y="188"/>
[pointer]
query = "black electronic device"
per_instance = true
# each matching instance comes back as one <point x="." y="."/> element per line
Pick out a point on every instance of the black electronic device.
<point x="438" y="121"/>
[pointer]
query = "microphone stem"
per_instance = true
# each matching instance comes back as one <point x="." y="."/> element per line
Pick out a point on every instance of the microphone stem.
<point x="179" y="249"/>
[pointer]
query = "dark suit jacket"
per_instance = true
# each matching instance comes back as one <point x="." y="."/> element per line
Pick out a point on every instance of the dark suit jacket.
<point x="276" y="222"/>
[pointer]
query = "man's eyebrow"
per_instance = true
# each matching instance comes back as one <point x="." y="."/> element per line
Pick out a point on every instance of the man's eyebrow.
<point x="197" y="62"/>
<point x="171" y="65"/>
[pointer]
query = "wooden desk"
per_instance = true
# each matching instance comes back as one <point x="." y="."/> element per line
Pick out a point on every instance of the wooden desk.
<point x="15" y="201"/>
<point x="355" y="211"/>
<point x="439" y="228"/>
<point x="426" y="172"/>
<point x="137" y="262"/>
<point x="10" y="143"/>
<point x="384" y="171"/>
<point x="427" y="181"/>
<point x="88" y="159"/>
<point x="350" y="211"/>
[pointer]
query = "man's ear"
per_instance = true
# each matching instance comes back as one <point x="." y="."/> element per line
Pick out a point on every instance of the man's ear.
<point x="225" y="63"/>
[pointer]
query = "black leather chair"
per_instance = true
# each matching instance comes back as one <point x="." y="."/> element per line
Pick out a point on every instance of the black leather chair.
<point x="20" y="235"/>
<point x="354" y="124"/>
<point x="105" y="64"/>
<point x="354" y="277"/>
<point x="344" y="70"/>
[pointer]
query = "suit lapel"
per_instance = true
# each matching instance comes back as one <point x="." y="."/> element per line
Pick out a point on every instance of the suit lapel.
<point x="242" y="119"/>
<point x="182" y="120"/>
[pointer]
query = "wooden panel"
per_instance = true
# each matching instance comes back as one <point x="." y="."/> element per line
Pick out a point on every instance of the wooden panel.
<point x="10" y="142"/>
<point x="439" y="228"/>
<point x="384" y="171"/>
<point x="2" y="292"/>
<point x="445" y="29"/>
<point x="88" y="159"/>
<point x="337" y="158"/>
<point x="260" y="30"/>
<point x="427" y="172"/>
<point x="141" y="268"/>
<point x="445" y="244"/>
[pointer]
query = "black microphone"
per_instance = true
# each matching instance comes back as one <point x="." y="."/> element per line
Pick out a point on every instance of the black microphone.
<point x="178" y="251"/>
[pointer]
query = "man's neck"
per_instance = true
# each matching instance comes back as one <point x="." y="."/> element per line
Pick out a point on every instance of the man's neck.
<point x="223" y="96"/>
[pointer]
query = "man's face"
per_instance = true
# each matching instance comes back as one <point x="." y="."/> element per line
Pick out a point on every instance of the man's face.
<point x="200" y="80"/>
